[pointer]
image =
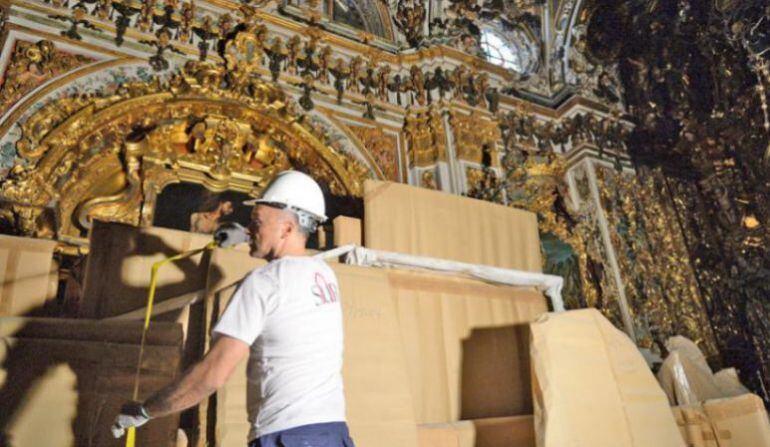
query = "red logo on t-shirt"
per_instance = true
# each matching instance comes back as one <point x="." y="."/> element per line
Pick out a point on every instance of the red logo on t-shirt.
<point x="325" y="291"/>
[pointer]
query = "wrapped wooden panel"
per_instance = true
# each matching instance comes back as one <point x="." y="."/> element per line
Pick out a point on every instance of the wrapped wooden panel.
<point x="418" y="221"/>
<point x="592" y="387"/>
<point x="119" y="262"/>
<point x="60" y="391"/>
<point x="28" y="274"/>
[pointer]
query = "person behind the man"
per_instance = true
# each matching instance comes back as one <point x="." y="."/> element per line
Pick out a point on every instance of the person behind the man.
<point x="286" y="316"/>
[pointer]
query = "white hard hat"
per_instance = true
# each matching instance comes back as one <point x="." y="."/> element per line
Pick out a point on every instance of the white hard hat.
<point x="296" y="191"/>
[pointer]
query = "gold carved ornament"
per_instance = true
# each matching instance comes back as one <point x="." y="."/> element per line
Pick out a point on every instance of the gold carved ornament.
<point x="382" y="147"/>
<point x="425" y="137"/>
<point x="32" y="64"/>
<point x="108" y="157"/>
<point x="473" y="136"/>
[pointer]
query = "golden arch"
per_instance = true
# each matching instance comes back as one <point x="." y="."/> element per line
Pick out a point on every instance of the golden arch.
<point x="109" y="157"/>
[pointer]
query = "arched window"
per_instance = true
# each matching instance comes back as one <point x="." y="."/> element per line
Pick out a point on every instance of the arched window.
<point x="513" y="50"/>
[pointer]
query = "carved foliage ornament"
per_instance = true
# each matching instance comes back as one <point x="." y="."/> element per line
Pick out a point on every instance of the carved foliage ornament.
<point x="88" y="157"/>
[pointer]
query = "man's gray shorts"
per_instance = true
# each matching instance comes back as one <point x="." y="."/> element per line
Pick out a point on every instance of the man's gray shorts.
<point x="330" y="434"/>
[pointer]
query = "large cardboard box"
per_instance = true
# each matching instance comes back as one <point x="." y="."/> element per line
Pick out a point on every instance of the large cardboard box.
<point x="62" y="382"/>
<point x="419" y="221"/>
<point x="592" y="387"/>
<point x="28" y="274"/>
<point x="740" y="421"/>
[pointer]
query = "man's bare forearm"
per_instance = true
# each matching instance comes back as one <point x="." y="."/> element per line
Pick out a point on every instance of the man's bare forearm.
<point x="188" y="391"/>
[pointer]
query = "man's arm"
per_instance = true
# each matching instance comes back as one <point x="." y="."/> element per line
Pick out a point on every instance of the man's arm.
<point x="202" y="380"/>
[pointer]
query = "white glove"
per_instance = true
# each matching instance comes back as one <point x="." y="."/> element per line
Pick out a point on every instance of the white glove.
<point x="132" y="414"/>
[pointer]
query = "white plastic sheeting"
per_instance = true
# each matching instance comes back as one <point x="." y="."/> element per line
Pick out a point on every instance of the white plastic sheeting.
<point x="551" y="285"/>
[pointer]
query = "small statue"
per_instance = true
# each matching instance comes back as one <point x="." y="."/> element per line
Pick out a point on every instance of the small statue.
<point x="78" y="19"/>
<point x="341" y="73"/>
<point x="205" y="32"/>
<point x="158" y="62"/>
<point x="410" y="16"/>
<point x="276" y="53"/>
<point x="306" y="100"/>
<point x="293" y="50"/>
<point x="324" y="61"/>
<point x="356" y="66"/>
<point x="382" y="82"/>
<point x="417" y="85"/>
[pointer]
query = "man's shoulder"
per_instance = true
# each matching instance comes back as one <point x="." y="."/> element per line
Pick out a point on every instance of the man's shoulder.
<point x="294" y="264"/>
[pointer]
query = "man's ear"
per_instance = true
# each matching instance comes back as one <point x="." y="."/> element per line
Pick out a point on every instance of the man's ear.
<point x="288" y="226"/>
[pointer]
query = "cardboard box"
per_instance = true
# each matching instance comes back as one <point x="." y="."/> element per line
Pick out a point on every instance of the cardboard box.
<point x="740" y="421"/>
<point x="63" y="391"/>
<point x="28" y="274"/>
<point x="592" y="387"/>
<point x="694" y="426"/>
<point x="347" y="230"/>
<point x="419" y="221"/>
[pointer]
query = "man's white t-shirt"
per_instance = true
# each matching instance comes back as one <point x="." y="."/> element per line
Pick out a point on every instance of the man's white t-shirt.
<point x="289" y="313"/>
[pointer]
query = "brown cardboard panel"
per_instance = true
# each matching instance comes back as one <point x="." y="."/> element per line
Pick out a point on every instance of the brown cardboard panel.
<point x="515" y="431"/>
<point x="347" y="230"/>
<point x="448" y="434"/>
<point x="466" y="345"/>
<point x="379" y="406"/>
<point x="740" y="421"/>
<point x="592" y="387"/>
<point x="419" y="221"/>
<point x="28" y="275"/>
<point x="118" y="268"/>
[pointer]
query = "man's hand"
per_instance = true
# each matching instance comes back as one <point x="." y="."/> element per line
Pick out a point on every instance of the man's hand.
<point x="132" y="414"/>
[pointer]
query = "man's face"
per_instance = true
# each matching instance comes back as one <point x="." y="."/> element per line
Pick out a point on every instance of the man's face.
<point x="267" y="230"/>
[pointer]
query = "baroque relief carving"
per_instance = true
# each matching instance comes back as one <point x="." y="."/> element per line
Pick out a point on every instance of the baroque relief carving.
<point x="382" y="147"/>
<point x="425" y="137"/>
<point x="90" y="156"/>
<point x="475" y="138"/>
<point x="32" y="64"/>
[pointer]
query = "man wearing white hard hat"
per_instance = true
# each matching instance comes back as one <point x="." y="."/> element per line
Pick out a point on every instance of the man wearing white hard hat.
<point x="286" y="316"/>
